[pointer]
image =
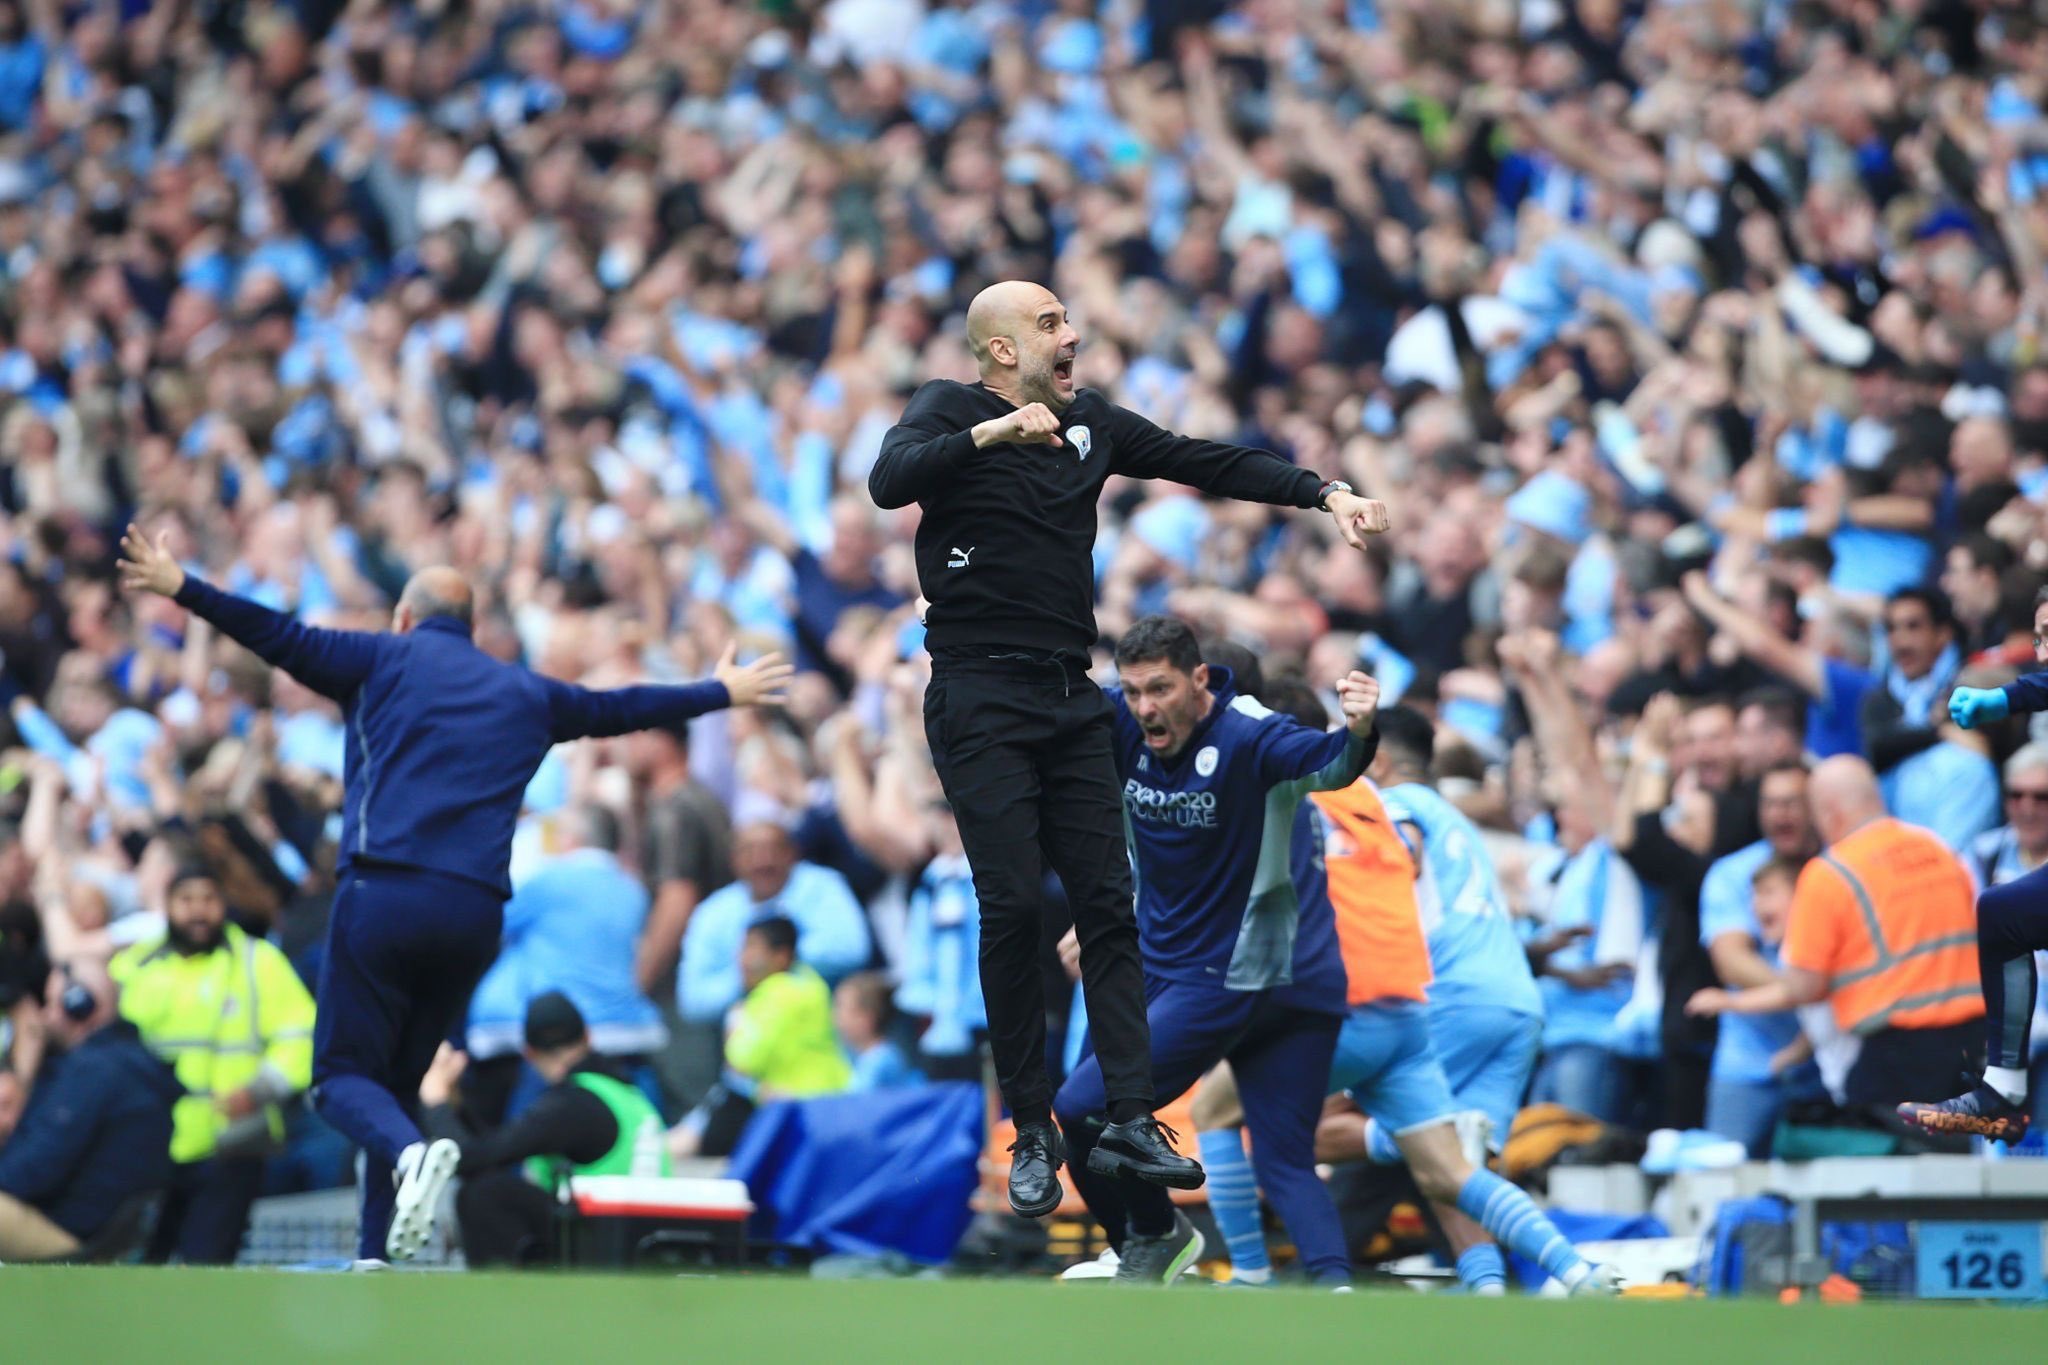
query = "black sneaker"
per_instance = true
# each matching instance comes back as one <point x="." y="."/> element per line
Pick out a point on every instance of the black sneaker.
<point x="1983" y="1112"/>
<point x="1159" y="1260"/>
<point x="1036" y="1158"/>
<point x="1142" y="1148"/>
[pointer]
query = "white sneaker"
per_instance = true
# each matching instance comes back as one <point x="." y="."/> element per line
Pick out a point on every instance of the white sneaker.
<point x="1601" y="1282"/>
<point x="1103" y="1267"/>
<point x="424" y="1170"/>
<point x="367" y="1266"/>
<point x="1475" y="1136"/>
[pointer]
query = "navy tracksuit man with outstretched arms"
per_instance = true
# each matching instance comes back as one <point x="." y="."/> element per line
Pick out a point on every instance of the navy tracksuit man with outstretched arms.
<point x="442" y="740"/>
<point x="1212" y="837"/>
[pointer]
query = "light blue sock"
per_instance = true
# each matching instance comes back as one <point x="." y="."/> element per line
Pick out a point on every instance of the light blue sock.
<point x="1380" y="1147"/>
<point x="1482" y="1269"/>
<point x="1515" y="1222"/>
<point x="1234" y="1200"/>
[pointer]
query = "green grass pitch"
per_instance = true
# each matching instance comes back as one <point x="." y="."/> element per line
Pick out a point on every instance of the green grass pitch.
<point x="89" y="1315"/>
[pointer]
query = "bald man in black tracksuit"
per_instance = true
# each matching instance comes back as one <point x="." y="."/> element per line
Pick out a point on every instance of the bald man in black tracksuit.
<point x="1008" y="472"/>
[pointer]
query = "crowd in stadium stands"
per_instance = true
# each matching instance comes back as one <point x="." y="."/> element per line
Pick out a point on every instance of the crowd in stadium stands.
<point x="1695" y="346"/>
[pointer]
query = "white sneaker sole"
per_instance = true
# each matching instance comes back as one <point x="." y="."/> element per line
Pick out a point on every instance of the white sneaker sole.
<point x="1604" y="1283"/>
<point x="419" y="1196"/>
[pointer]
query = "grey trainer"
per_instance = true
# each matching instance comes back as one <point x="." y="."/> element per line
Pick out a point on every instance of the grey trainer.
<point x="1160" y="1260"/>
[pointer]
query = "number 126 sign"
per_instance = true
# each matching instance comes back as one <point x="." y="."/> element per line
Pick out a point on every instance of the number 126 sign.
<point x="1979" y="1261"/>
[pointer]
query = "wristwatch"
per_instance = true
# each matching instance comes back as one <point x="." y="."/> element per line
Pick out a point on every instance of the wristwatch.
<point x="1331" y="486"/>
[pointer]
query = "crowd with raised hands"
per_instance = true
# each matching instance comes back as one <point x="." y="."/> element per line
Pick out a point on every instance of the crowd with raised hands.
<point x="1694" y="347"/>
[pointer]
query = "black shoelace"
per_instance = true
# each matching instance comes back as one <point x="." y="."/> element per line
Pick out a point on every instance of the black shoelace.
<point x="1164" y="1133"/>
<point x="1033" y="1139"/>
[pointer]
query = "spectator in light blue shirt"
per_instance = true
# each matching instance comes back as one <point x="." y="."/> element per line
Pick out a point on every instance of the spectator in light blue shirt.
<point x="1951" y="789"/>
<point x="1741" y="926"/>
<point x="574" y="927"/>
<point x="1931" y="776"/>
<point x="832" y="930"/>
<point x="1908" y="711"/>
<point x="310" y="734"/>
<point x="1765" y="1061"/>
<point x="114" y="735"/>
<point x="22" y="58"/>
<point x="861" y="1015"/>
<point x="1587" y="890"/>
<point x="942" y="946"/>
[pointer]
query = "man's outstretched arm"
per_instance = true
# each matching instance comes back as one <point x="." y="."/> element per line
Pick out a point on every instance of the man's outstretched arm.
<point x="331" y="662"/>
<point x="581" y="712"/>
<point x="1145" y="451"/>
<point x="1796" y="663"/>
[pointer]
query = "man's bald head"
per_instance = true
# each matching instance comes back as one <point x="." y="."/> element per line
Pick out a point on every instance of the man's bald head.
<point x="1845" y="797"/>
<point x="1003" y="309"/>
<point x="1023" y="343"/>
<point x="436" y="591"/>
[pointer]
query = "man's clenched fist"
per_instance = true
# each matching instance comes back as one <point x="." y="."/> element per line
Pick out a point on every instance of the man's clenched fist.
<point x="1359" y="694"/>
<point x="1031" y="425"/>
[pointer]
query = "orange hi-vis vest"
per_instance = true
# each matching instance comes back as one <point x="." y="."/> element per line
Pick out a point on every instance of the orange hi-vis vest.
<point x="1889" y="916"/>
<point x="1372" y="892"/>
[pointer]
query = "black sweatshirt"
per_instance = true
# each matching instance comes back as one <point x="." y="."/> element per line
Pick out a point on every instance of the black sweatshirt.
<point x="567" y="1123"/>
<point x="1005" y="550"/>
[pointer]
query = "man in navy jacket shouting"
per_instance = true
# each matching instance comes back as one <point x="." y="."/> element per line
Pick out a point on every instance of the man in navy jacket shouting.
<point x="1212" y="785"/>
<point x="442" y="740"/>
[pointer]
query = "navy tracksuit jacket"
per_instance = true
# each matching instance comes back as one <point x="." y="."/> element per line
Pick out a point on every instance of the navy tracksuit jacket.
<point x="442" y="738"/>
<point x="441" y="742"/>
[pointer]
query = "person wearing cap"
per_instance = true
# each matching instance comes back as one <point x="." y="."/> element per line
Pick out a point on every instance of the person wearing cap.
<point x="230" y="1015"/>
<point x="591" y="1120"/>
<point x="443" y="740"/>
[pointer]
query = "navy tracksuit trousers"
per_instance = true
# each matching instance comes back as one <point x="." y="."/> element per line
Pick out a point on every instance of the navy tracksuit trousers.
<point x="2012" y="925"/>
<point x="1280" y="1056"/>
<point x="405" y="948"/>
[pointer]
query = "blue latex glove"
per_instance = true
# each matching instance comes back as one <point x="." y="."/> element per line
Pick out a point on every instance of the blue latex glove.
<point x="1971" y="707"/>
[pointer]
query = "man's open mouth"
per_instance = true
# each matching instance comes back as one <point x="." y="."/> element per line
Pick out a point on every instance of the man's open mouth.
<point x="1063" y="370"/>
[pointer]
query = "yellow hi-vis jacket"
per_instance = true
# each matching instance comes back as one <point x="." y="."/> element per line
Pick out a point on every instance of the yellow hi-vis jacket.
<point x="233" y="1019"/>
